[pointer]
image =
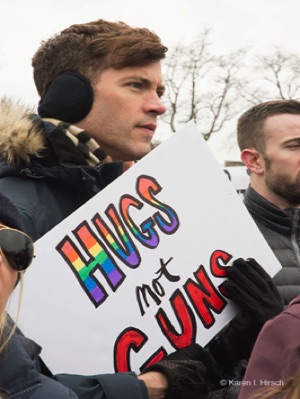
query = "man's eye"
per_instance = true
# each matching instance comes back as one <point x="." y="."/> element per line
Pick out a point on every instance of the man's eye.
<point x="136" y="85"/>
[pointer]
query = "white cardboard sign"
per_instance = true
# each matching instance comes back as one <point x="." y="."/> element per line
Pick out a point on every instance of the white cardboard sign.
<point x="239" y="177"/>
<point x="136" y="272"/>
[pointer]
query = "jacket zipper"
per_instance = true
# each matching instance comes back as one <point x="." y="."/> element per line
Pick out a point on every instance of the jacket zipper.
<point x="294" y="235"/>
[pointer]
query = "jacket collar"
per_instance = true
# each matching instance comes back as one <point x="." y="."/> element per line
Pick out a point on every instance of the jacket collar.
<point x="269" y="214"/>
<point x="18" y="371"/>
<point x="295" y="301"/>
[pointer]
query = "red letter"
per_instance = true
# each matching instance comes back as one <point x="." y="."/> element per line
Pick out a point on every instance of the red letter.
<point x="216" y="269"/>
<point x="204" y="297"/>
<point x="132" y="338"/>
<point x="186" y="318"/>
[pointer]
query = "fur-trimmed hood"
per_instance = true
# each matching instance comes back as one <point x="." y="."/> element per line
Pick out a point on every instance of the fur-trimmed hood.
<point x="22" y="133"/>
<point x="48" y="168"/>
<point x="49" y="148"/>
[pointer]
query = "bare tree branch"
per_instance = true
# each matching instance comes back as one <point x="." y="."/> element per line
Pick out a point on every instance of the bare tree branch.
<point x="202" y="86"/>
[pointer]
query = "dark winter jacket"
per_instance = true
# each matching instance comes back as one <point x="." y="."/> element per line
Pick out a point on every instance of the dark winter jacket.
<point x="281" y="229"/>
<point x="20" y="378"/>
<point x="42" y="172"/>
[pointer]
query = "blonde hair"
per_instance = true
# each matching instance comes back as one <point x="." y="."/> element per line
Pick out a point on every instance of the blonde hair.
<point x="5" y="335"/>
<point x="290" y="389"/>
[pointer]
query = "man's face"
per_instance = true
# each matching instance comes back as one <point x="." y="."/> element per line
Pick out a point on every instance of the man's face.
<point x="282" y="158"/>
<point x="124" y="114"/>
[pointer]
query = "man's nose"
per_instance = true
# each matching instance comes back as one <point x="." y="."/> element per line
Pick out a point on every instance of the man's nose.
<point x="155" y="105"/>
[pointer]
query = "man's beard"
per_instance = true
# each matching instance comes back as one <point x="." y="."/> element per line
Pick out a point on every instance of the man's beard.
<point x="282" y="184"/>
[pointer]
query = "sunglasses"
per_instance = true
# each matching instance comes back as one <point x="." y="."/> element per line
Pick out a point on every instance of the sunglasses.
<point x="17" y="247"/>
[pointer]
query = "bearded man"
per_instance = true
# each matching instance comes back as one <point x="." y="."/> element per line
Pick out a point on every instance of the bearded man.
<point x="269" y="140"/>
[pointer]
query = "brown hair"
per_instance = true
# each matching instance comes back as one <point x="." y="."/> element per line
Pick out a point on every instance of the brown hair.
<point x="250" y="126"/>
<point x="92" y="47"/>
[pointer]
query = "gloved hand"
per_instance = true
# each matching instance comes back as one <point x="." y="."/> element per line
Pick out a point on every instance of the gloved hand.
<point x="190" y="372"/>
<point x="250" y="286"/>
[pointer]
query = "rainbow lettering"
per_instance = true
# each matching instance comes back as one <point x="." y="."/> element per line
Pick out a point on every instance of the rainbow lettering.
<point x="105" y="245"/>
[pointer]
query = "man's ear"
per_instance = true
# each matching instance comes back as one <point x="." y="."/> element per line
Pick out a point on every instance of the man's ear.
<point x="2" y="259"/>
<point x="253" y="160"/>
<point x="69" y="98"/>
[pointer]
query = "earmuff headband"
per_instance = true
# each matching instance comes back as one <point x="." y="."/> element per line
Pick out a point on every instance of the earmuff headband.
<point x="69" y="98"/>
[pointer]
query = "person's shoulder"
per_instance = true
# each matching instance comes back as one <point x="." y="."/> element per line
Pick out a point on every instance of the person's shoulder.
<point x="285" y="321"/>
<point x="293" y="308"/>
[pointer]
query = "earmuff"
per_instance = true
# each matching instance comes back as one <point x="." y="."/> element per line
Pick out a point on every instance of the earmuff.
<point x="69" y="98"/>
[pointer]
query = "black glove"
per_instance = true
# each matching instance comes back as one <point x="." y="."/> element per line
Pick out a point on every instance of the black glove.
<point x="259" y="300"/>
<point x="190" y="372"/>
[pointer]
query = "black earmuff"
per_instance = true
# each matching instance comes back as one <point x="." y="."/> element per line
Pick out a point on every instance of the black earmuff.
<point x="69" y="98"/>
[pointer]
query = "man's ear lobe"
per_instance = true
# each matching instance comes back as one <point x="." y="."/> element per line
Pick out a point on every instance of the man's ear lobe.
<point x="253" y="160"/>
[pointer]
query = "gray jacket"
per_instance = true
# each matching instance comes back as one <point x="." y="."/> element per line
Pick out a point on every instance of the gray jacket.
<point x="281" y="229"/>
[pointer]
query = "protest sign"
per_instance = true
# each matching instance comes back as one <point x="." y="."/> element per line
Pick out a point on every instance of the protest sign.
<point x="136" y="272"/>
<point x="239" y="177"/>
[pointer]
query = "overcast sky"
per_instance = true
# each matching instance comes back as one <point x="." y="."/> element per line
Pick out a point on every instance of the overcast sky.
<point x="233" y="23"/>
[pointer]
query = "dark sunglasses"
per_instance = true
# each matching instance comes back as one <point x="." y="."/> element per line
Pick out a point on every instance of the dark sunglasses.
<point x="17" y="247"/>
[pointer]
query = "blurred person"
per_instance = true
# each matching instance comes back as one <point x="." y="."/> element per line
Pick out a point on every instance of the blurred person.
<point x="100" y="86"/>
<point x="275" y="359"/>
<point x="269" y="139"/>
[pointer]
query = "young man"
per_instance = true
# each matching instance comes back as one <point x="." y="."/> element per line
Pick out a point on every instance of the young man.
<point x="269" y="139"/>
<point x="100" y="85"/>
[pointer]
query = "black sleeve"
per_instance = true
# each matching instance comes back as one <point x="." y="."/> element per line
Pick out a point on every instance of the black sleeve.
<point x="105" y="386"/>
